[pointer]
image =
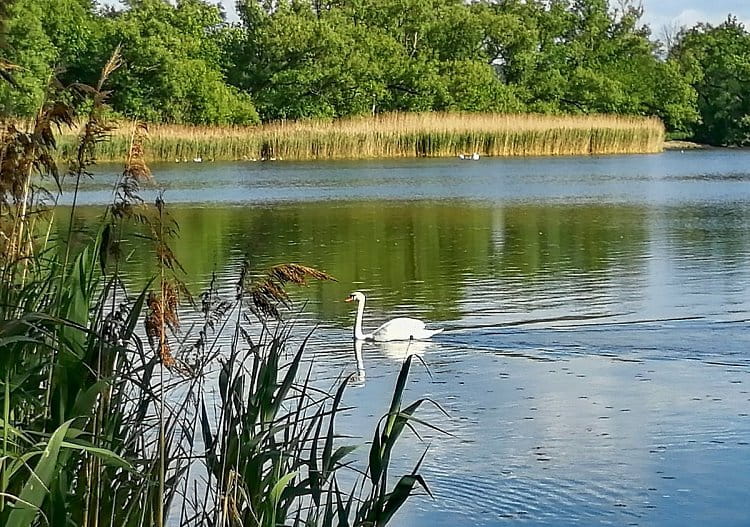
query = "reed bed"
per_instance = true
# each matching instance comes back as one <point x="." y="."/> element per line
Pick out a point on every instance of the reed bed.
<point x="394" y="136"/>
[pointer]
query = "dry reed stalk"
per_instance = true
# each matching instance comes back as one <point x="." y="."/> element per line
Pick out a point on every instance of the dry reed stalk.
<point x="401" y="135"/>
<point x="24" y="152"/>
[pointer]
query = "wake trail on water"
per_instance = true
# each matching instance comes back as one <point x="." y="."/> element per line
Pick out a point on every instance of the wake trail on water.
<point x="691" y="337"/>
<point x="571" y="318"/>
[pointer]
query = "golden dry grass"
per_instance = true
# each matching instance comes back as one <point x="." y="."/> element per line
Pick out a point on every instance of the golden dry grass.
<point x="396" y="135"/>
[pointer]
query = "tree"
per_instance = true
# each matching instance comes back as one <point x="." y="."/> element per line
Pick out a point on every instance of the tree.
<point x="29" y="48"/>
<point x="303" y="59"/>
<point x="6" y="67"/>
<point x="583" y="57"/>
<point x="172" y="64"/>
<point x="717" y="62"/>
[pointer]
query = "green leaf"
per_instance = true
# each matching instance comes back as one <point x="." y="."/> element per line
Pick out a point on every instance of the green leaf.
<point x="289" y="378"/>
<point x="135" y="313"/>
<point x="400" y="494"/>
<point x="376" y="460"/>
<point x="398" y="393"/>
<point x="36" y="488"/>
<point x="86" y="400"/>
<point x="279" y="487"/>
<point x="327" y="464"/>
<point x="105" y="455"/>
<point x="341" y="453"/>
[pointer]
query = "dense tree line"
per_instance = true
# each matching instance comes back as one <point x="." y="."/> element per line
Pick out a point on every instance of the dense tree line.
<point x="292" y="59"/>
<point x="716" y="62"/>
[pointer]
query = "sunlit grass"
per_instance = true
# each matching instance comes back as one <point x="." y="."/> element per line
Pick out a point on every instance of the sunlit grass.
<point x="394" y="136"/>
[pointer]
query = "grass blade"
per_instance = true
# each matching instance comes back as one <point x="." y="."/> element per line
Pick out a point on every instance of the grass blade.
<point x="36" y="488"/>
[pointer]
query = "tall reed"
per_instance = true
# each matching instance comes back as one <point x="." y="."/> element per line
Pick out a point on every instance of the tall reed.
<point x="398" y="135"/>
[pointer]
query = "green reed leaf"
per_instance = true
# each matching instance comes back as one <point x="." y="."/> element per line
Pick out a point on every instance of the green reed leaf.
<point x="37" y="487"/>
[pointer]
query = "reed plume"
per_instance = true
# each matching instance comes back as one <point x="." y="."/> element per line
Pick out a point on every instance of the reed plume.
<point x="25" y="153"/>
<point x="269" y="291"/>
<point x="162" y="315"/>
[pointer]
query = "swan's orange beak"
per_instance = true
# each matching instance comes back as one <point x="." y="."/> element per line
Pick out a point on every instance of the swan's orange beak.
<point x="349" y="298"/>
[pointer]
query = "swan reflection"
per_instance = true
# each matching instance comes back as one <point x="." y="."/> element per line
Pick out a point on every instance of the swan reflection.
<point x="393" y="350"/>
<point x="358" y="379"/>
<point x="398" y="350"/>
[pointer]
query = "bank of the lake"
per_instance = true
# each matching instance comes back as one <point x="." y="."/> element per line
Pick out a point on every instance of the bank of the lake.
<point x="686" y="145"/>
<point x="394" y="136"/>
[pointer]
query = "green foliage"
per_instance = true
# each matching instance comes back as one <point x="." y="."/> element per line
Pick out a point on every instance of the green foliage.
<point x="302" y="59"/>
<point x="29" y="48"/>
<point x="73" y="30"/>
<point x="473" y="87"/>
<point x="171" y="70"/>
<point x="171" y="54"/>
<point x="717" y="62"/>
<point x="583" y="57"/>
<point x="35" y="489"/>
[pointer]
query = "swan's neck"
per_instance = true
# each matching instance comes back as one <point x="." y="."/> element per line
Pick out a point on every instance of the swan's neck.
<point x="358" y="334"/>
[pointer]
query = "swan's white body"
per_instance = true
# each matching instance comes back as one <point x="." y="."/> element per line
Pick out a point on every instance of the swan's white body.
<point x="402" y="328"/>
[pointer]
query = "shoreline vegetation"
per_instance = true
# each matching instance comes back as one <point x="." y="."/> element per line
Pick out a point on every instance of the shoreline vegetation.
<point x="686" y="145"/>
<point x="396" y="135"/>
<point x="111" y="413"/>
<point x="295" y="61"/>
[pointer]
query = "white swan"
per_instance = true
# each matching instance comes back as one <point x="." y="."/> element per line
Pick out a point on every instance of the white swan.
<point x="402" y="328"/>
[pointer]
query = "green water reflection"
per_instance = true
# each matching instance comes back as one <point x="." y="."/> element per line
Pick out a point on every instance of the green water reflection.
<point x="409" y="251"/>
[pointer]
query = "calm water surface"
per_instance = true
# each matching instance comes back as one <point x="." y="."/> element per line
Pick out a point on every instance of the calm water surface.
<point x="596" y="358"/>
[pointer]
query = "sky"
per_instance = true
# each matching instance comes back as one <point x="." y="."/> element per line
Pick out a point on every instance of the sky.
<point x="657" y="13"/>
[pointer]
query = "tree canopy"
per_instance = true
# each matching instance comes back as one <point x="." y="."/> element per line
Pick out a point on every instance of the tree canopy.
<point x="297" y="59"/>
<point x="717" y="62"/>
<point x="354" y="56"/>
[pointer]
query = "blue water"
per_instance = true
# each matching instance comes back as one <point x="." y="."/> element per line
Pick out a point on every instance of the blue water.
<point x="659" y="179"/>
<point x="595" y="366"/>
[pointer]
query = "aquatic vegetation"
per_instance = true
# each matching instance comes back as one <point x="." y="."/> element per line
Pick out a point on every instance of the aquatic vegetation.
<point x="113" y="415"/>
<point x="395" y="135"/>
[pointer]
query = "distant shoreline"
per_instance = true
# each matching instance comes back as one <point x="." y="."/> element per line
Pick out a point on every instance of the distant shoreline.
<point x="687" y="145"/>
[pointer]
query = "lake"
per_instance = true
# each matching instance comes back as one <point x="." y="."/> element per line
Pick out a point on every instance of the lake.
<point x="595" y="363"/>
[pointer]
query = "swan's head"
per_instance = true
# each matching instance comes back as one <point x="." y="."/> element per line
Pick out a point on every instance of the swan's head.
<point x="359" y="296"/>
